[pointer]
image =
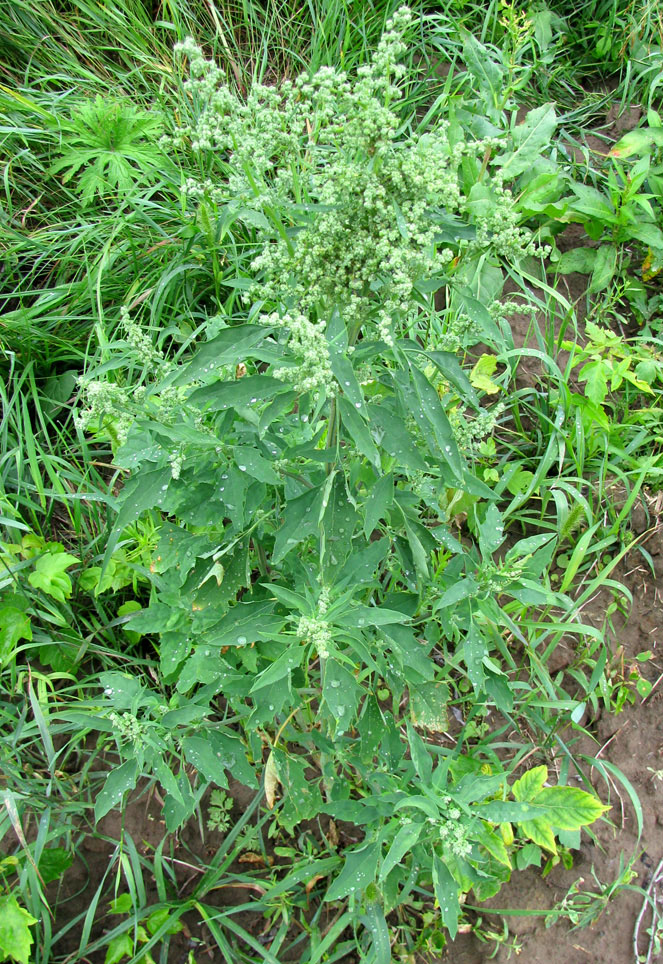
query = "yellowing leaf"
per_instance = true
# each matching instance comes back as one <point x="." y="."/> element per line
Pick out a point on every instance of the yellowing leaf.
<point x="271" y="781"/>
<point x="15" y="936"/>
<point x="480" y="375"/>
<point x="540" y="832"/>
<point x="530" y="784"/>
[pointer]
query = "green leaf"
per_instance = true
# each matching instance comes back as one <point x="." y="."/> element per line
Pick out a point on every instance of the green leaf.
<point x="428" y="706"/>
<point x="530" y="784"/>
<point x="53" y="863"/>
<point x="639" y="141"/>
<point x="358" y="431"/>
<point x="448" y="365"/>
<point x="359" y="569"/>
<point x="241" y="393"/>
<point x="596" y="378"/>
<point x="402" y="844"/>
<point x="395" y="438"/>
<point x="446" y="894"/>
<point x="480" y="376"/>
<point x="562" y="808"/>
<point x="338" y="524"/>
<point x="122" y="904"/>
<point x="380" y="499"/>
<point x="529" y="140"/>
<point x="118" y="782"/>
<point x="280" y="668"/>
<point x="357" y="873"/>
<point x="569" y="808"/>
<point x="118" y="947"/>
<point x="144" y="490"/>
<point x="14" y="625"/>
<point x="592" y="204"/>
<point x="540" y="832"/>
<point x="345" y="375"/>
<point x="229" y="347"/>
<point x="259" y="468"/>
<point x="215" y="752"/>
<point x="15" y="936"/>
<point x="367" y="616"/>
<point x="493" y="843"/>
<point x="474" y="649"/>
<point x="302" y="797"/>
<point x="300" y="520"/>
<point x="375" y="923"/>
<point x="431" y="407"/>
<point x="581" y="260"/>
<point x="605" y="266"/>
<point x="341" y="693"/>
<point x="491" y="531"/>
<point x="421" y="758"/>
<point x="50" y="574"/>
<point x="490" y="75"/>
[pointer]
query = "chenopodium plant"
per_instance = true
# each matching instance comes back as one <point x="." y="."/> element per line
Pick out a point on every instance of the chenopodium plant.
<point x="315" y="613"/>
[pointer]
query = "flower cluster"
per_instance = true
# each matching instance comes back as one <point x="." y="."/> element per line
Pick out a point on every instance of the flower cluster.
<point x="129" y="728"/>
<point x="468" y="432"/>
<point x="309" y="344"/>
<point x="106" y="409"/>
<point x="454" y="836"/>
<point x="454" y="833"/>
<point x="138" y="342"/>
<point x="317" y="632"/>
<point x="349" y="209"/>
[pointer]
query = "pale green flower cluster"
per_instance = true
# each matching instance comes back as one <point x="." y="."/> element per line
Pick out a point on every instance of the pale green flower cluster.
<point x="468" y="432"/>
<point x="317" y="632"/>
<point x="459" y="332"/>
<point x="128" y="727"/>
<point x="309" y="344"/>
<point x="139" y="343"/>
<point x="498" y="228"/>
<point x="454" y="834"/>
<point x="348" y="207"/>
<point x="107" y="407"/>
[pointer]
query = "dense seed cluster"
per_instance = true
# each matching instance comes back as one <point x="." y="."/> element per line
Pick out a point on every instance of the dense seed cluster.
<point x="349" y="205"/>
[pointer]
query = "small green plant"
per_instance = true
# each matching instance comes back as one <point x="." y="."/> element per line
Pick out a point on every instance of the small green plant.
<point x="109" y="146"/>
<point x="218" y="811"/>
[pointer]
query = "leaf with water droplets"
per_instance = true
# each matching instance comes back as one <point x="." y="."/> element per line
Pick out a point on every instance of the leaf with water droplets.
<point x="237" y="394"/>
<point x="491" y="531"/>
<point x="229" y="347"/>
<point x="345" y="376"/>
<point x="431" y="406"/>
<point x="379" y="501"/>
<point x="338" y="524"/>
<point x="402" y="845"/>
<point x="428" y="706"/>
<point x="358" y="872"/>
<point x="300" y="520"/>
<point x="358" y="431"/>
<point x="302" y="799"/>
<point x="118" y="782"/>
<point x="249" y="460"/>
<point x="281" y="667"/>
<point x="341" y="693"/>
<point x="446" y="893"/>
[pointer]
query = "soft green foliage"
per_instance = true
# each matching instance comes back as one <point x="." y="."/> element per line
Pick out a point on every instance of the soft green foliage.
<point x="311" y="415"/>
<point x="288" y="499"/>
<point x="107" y="147"/>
